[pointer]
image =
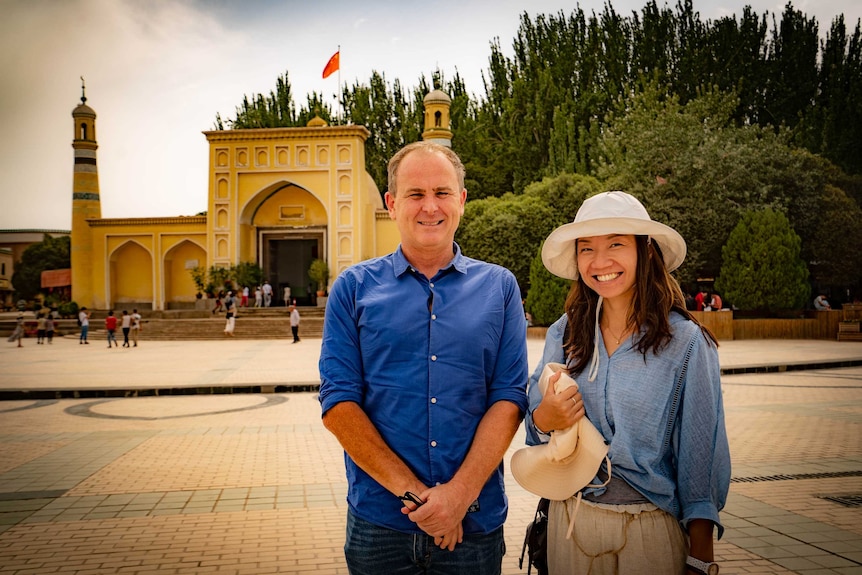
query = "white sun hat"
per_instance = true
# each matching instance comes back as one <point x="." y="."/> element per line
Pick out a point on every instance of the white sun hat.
<point x="603" y="214"/>
<point x="571" y="458"/>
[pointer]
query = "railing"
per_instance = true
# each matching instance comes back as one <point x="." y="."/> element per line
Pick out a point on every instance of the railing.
<point x="815" y="325"/>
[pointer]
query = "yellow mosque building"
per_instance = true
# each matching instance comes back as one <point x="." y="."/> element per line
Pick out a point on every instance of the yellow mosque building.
<point x="277" y="197"/>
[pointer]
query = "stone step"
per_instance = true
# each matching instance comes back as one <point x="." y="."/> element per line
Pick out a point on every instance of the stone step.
<point x="248" y="325"/>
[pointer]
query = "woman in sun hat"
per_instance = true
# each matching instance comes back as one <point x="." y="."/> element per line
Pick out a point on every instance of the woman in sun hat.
<point x="647" y="377"/>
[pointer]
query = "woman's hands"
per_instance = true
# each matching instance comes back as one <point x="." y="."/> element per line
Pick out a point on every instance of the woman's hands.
<point x="558" y="410"/>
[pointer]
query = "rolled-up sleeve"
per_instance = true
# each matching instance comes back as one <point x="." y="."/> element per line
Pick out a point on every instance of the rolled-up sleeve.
<point x="703" y="454"/>
<point x="553" y="352"/>
<point x="509" y="377"/>
<point x="340" y="363"/>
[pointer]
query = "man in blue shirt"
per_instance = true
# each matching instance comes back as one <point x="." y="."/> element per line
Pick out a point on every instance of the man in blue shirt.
<point x="423" y="381"/>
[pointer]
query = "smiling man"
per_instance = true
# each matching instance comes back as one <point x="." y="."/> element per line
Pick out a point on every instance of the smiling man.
<point x="423" y="381"/>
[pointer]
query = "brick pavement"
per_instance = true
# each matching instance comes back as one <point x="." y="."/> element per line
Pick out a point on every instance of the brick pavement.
<point x="252" y="483"/>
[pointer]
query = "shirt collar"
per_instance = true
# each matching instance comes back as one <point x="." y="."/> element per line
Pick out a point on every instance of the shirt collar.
<point x="401" y="265"/>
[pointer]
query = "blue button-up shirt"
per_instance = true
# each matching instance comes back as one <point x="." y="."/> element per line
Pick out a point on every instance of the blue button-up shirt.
<point x="662" y="416"/>
<point x="425" y="359"/>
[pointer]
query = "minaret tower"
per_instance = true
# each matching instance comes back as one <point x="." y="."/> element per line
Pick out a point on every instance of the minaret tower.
<point x="85" y="200"/>
<point x="437" y="104"/>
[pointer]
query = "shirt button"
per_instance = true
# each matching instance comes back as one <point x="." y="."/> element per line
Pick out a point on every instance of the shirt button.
<point x="433" y="358"/>
<point x="431" y="284"/>
<point x="433" y="444"/>
<point x="433" y="400"/>
<point x="433" y="316"/>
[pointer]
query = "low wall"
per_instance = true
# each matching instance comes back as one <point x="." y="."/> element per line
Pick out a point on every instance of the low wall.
<point x="815" y="325"/>
<point x="720" y="323"/>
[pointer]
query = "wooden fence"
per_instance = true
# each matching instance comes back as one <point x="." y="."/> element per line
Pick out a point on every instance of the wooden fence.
<point x="815" y="325"/>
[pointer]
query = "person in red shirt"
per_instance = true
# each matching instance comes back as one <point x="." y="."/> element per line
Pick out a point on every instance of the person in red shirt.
<point x="111" y="326"/>
<point x="698" y="300"/>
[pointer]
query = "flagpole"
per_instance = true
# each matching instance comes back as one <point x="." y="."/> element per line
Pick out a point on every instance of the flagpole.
<point x="339" y="84"/>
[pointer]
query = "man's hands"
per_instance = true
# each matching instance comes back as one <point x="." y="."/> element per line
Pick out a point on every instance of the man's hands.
<point x="441" y="514"/>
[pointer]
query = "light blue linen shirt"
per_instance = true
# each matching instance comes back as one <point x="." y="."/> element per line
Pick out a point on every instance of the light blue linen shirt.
<point x="425" y="360"/>
<point x="662" y="416"/>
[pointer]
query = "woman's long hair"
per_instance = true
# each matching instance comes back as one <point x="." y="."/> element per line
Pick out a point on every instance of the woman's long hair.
<point x="657" y="294"/>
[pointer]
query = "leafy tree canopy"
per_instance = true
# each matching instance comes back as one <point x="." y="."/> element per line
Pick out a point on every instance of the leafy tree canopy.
<point x="762" y="267"/>
<point x="49" y="254"/>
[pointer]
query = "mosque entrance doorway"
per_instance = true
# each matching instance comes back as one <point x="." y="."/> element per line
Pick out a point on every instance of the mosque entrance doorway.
<point x="285" y="262"/>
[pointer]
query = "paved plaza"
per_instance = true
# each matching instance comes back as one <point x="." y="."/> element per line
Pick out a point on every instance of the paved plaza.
<point x="165" y="458"/>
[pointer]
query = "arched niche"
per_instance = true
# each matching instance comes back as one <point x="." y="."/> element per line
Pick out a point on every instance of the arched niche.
<point x="344" y="185"/>
<point x="344" y="155"/>
<point x="131" y="276"/>
<point x="344" y="216"/>
<point x="177" y="265"/>
<point x="345" y="245"/>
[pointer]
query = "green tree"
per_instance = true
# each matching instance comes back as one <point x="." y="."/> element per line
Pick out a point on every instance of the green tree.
<point x="762" y="268"/>
<point x="836" y="242"/>
<point x="564" y="194"/>
<point x="505" y="231"/>
<point x="697" y="171"/>
<point x="220" y="277"/>
<point x="547" y="297"/>
<point x="199" y="277"/>
<point x="49" y="254"/>
<point x="247" y="274"/>
<point x="318" y="272"/>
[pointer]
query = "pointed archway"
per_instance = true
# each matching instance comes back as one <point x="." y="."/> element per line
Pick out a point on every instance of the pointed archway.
<point x="285" y="227"/>
<point x="179" y="260"/>
<point x="130" y="277"/>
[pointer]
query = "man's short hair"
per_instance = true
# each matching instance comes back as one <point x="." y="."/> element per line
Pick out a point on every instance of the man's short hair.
<point x="430" y="147"/>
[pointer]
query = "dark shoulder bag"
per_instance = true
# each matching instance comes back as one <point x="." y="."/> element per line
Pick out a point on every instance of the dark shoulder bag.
<point x="536" y="541"/>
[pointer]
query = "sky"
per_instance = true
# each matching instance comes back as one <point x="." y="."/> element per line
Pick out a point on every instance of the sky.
<point x="158" y="71"/>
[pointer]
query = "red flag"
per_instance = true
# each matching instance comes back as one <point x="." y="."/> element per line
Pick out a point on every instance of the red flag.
<point x="332" y="65"/>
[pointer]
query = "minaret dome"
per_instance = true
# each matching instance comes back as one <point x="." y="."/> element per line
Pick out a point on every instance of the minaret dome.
<point x="437" y="104"/>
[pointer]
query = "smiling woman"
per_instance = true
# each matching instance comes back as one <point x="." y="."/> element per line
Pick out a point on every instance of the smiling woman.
<point x="647" y="372"/>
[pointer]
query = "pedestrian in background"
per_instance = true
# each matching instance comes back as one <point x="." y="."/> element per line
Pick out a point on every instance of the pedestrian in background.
<point x="84" y="322"/>
<point x="136" y="326"/>
<point x="49" y="328"/>
<point x="18" y="332"/>
<point x="267" y="294"/>
<point x="230" y="314"/>
<point x="41" y="322"/>
<point x="126" y="326"/>
<point x="294" y="323"/>
<point x="111" y="327"/>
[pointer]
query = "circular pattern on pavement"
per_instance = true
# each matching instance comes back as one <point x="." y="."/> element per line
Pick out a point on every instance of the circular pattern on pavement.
<point x="178" y="406"/>
<point x="34" y="405"/>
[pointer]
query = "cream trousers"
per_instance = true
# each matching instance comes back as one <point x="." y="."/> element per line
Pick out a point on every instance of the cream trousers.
<point x="614" y="540"/>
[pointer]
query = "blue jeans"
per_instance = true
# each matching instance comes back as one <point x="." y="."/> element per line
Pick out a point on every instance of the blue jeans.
<point x="373" y="550"/>
<point x="84" y="330"/>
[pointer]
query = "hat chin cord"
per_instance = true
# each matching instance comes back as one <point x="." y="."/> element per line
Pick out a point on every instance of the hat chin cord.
<point x="578" y="499"/>
<point x="594" y="364"/>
